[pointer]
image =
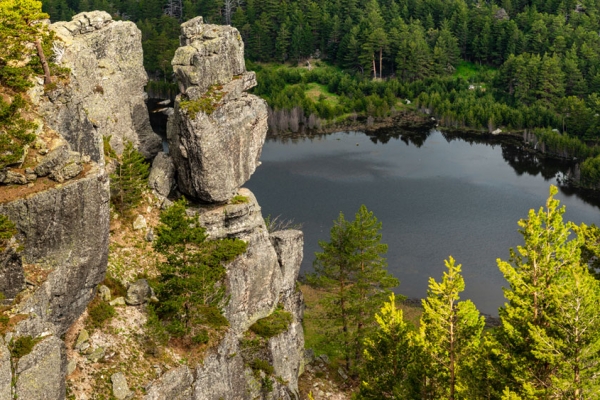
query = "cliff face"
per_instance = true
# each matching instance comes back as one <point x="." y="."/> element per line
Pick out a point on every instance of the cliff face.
<point x="53" y="269"/>
<point x="105" y="95"/>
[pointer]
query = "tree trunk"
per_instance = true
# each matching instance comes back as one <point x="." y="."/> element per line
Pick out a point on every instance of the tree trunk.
<point x="380" y="63"/>
<point x="374" y="68"/>
<point x="40" y="50"/>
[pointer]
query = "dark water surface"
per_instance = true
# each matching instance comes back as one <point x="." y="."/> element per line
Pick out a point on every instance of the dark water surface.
<point x="442" y="198"/>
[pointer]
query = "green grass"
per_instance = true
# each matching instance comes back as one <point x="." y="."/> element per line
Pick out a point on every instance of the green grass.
<point x="316" y="91"/>
<point x="472" y="72"/>
<point x="238" y="199"/>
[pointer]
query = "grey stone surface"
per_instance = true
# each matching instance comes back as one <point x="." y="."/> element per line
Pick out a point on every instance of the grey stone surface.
<point x="65" y="230"/>
<point x="223" y="376"/>
<point x="289" y="246"/>
<point x="5" y="373"/>
<point x="119" y="387"/>
<point x="12" y="280"/>
<point x="97" y="354"/>
<point x="105" y="59"/>
<point x="119" y="301"/>
<point x="69" y="170"/>
<point x="11" y="177"/>
<point x="176" y="384"/>
<point x="82" y="338"/>
<point x="40" y="374"/>
<point x="53" y="160"/>
<point x="210" y="54"/>
<point x="138" y="293"/>
<point x="162" y="174"/>
<point x="254" y="278"/>
<point x="216" y="154"/>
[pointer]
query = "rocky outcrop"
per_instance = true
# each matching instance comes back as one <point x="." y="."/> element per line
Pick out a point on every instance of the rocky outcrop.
<point x="40" y="374"/>
<point x="217" y="130"/>
<point x="257" y="281"/>
<point x="64" y="235"/>
<point x="5" y="372"/>
<point x="105" y="62"/>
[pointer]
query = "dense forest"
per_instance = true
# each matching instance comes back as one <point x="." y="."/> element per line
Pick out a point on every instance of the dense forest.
<point x="509" y="64"/>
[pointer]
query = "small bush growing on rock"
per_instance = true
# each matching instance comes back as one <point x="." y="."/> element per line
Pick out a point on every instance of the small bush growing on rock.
<point x="262" y="365"/>
<point x="7" y="231"/>
<point x="99" y="312"/>
<point x="21" y="346"/>
<point x="129" y="181"/>
<point x="273" y="325"/>
<point x="207" y="104"/>
<point x="239" y="199"/>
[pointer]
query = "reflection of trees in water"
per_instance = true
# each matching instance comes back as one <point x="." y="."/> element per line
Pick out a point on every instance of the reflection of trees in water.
<point x="530" y="163"/>
<point x="416" y="138"/>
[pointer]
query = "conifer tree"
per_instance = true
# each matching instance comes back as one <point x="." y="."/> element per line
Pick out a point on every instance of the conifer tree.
<point x="389" y="357"/>
<point x="450" y="335"/>
<point x="353" y="270"/>
<point x="129" y="180"/>
<point x="536" y="274"/>
<point x="191" y="275"/>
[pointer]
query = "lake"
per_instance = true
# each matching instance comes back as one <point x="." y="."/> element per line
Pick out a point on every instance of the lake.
<point x="435" y="197"/>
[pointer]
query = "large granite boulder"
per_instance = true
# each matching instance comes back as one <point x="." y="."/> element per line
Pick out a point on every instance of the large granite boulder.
<point x="106" y="61"/>
<point x="217" y="130"/>
<point x="253" y="279"/>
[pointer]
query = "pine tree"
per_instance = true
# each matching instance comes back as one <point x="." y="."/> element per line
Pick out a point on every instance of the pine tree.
<point x="334" y="271"/>
<point x="389" y="357"/>
<point x="190" y="281"/>
<point x="450" y="335"/>
<point x="372" y="281"/>
<point x="353" y="270"/>
<point x="535" y="272"/>
<point x="129" y="181"/>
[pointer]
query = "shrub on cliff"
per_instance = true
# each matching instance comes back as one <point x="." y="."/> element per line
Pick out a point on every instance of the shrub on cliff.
<point x="7" y="231"/>
<point x="190" y="287"/>
<point x="129" y="180"/>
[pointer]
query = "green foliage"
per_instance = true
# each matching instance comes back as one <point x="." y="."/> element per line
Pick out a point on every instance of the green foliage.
<point x="129" y="181"/>
<point x="109" y="152"/>
<point x="190" y="286"/>
<point x="549" y="341"/>
<point x="238" y="199"/>
<point x="262" y="365"/>
<point x="15" y="132"/>
<point x="201" y="337"/>
<point x="207" y="104"/>
<point x="7" y="231"/>
<point x="276" y="323"/>
<point x="98" y="313"/>
<point x="390" y="360"/>
<point x="353" y="270"/>
<point x="21" y="346"/>
<point x="117" y="289"/>
<point x="449" y="336"/>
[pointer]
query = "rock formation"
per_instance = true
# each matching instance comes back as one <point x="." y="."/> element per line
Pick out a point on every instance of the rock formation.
<point x="52" y="268"/>
<point x="215" y="137"/>
<point x="105" y="62"/>
<point x="217" y="131"/>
